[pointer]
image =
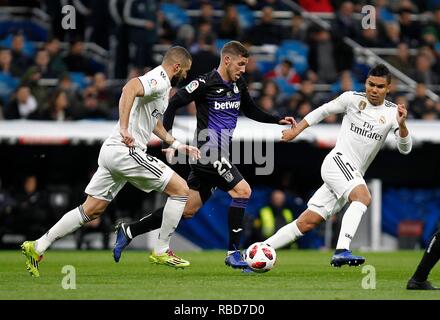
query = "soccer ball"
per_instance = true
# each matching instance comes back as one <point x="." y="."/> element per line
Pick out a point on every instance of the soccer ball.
<point x="260" y="257"/>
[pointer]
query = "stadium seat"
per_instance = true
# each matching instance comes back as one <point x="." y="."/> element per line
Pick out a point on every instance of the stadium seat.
<point x="80" y="79"/>
<point x="266" y="66"/>
<point x="28" y="49"/>
<point x="246" y="16"/>
<point x="7" y="85"/>
<point x="175" y="15"/>
<point x="336" y="87"/>
<point x="296" y="52"/>
<point x="286" y="88"/>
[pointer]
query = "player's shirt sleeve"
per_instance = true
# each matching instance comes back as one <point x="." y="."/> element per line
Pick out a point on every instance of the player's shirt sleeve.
<point x="251" y="110"/>
<point x="404" y="145"/>
<point x="153" y="85"/>
<point x="338" y="105"/>
<point x="192" y="91"/>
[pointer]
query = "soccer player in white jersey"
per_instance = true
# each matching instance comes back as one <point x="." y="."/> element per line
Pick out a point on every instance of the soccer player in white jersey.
<point x="123" y="159"/>
<point x="368" y="118"/>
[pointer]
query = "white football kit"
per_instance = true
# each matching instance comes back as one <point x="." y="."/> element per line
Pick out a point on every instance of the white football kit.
<point x="119" y="164"/>
<point x="363" y="132"/>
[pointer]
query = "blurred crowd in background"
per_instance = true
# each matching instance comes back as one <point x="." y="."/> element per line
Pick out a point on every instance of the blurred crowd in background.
<point x="131" y="32"/>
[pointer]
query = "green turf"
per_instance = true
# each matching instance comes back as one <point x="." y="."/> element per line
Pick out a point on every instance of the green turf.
<point x="297" y="275"/>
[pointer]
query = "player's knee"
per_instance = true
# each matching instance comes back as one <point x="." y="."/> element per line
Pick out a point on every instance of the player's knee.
<point x="366" y="200"/>
<point x="95" y="210"/>
<point x="244" y="192"/>
<point x="183" y="189"/>
<point x="363" y="198"/>
<point x="189" y="213"/>
<point x="305" y="226"/>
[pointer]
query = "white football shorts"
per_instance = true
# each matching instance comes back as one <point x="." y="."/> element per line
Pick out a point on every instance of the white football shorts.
<point x="119" y="165"/>
<point x="340" y="178"/>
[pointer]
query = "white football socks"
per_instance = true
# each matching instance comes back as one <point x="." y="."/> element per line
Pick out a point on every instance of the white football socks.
<point x="350" y="222"/>
<point x="172" y="213"/>
<point x="68" y="223"/>
<point x="284" y="236"/>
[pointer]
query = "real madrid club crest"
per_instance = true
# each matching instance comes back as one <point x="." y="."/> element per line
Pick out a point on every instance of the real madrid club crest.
<point x="362" y="105"/>
<point x="382" y="120"/>
<point x="235" y="88"/>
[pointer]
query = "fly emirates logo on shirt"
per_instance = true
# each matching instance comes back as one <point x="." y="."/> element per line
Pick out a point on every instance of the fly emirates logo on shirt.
<point x="227" y="105"/>
<point x="366" y="131"/>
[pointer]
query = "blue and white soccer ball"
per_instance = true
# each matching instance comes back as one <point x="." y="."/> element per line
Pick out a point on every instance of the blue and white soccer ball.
<point x="260" y="257"/>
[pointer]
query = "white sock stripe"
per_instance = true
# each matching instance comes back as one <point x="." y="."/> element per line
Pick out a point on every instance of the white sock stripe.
<point x="85" y="218"/>
<point x="179" y="198"/>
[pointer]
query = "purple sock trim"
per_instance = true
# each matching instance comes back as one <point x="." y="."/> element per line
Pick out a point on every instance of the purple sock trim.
<point x="239" y="202"/>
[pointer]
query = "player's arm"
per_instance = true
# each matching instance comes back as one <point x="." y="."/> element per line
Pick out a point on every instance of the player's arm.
<point x="131" y="90"/>
<point x="335" y="106"/>
<point x="252" y="111"/>
<point x="179" y="100"/>
<point x="404" y="141"/>
<point x="174" y="144"/>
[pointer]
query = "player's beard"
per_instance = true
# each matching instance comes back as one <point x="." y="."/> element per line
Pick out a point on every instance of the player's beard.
<point x="177" y="80"/>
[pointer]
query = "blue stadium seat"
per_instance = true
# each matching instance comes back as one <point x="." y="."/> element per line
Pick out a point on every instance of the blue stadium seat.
<point x="266" y="66"/>
<point x="246" y="16"/>
<point x="219" y="43"/>
<point x="80" y="79"/>
<point x="286" y="88"/>
<point x="28" y="49"/>
<point x="175" y="15"/>
<point x="7" y="85"/>
<point x="296" y="52"/>
<point x="336" y="87"/>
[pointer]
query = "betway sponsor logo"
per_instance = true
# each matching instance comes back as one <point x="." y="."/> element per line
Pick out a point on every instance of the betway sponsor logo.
<point x="226" y="105"/>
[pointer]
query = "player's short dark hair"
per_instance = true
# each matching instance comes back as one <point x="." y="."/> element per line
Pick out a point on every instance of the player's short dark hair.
<point x="380" y="70"/>
<point x="177" y="54"/>
<point x="235" y="48"/>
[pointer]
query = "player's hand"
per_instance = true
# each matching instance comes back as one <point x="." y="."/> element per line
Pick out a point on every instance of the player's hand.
<point x="402" y="114"/>
<point x="289" y="135"/>
<point x="149" y="25"/>
<point x="169" y="154"/>
<point x="288" y="120"/>
<point x="193" y="152"/>
<point x="127" y="138"/>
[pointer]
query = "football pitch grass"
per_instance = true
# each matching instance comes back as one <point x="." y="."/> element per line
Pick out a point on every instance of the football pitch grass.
<point x="298" y="275"/>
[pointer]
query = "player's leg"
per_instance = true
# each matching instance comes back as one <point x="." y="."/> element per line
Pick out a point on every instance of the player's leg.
<point x="360" y="199"/>
<point x="291" y="232"/>
<point x="419" y="280"/>
<point x="347" y="184"/>
<point x="178" y="191"/>
<point x="102" y="188"/>
<point x="148" y="173"/>
<point x="240" y="194"/>
<point x="319" y="208"/>
<point x="125" y="232"/>
<point x="70" y="222"/>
